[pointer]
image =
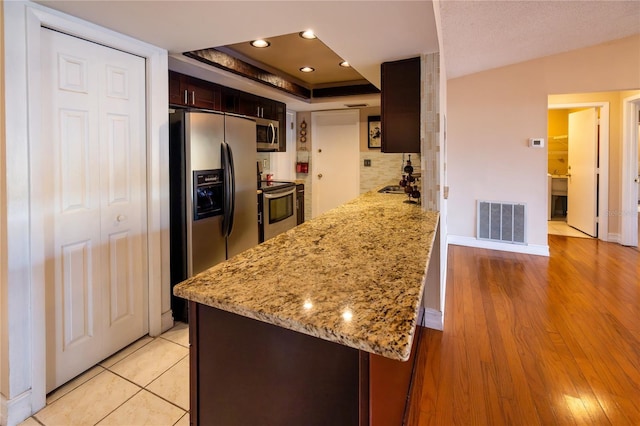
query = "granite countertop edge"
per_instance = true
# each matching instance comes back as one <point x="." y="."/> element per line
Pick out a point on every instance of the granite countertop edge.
<point x="351" y="242"/>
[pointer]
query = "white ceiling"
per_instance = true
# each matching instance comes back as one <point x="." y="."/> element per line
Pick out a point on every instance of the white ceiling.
<point x="476" y="34"/>
<point x="481" y="34"/>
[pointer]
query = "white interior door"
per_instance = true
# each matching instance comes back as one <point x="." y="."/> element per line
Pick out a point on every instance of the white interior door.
<point x="335" y="158"/>
<point x="93" y="127"/>
<point x="582" y="184"/>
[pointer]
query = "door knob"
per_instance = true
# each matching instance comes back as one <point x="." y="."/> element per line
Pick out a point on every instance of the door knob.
<point x="319" y="175"/>
<point x="637" y="180"/>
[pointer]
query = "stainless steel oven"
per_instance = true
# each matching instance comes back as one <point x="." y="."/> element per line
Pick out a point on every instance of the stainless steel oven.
<point x="279" y="208"/>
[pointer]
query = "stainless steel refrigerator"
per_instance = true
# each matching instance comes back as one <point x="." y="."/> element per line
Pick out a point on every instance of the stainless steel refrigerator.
<point x="212" y="172"/>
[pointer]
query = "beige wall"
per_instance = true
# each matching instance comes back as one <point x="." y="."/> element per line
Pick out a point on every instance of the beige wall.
<point x="492" y="114"/>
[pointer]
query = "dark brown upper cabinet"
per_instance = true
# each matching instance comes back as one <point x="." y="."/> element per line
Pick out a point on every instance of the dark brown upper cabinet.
<point x="193" y="92"/>
<point x="400" y="106"/>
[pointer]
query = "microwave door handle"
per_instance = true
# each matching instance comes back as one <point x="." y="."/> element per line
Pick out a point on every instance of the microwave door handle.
<point x="273" y="133"/>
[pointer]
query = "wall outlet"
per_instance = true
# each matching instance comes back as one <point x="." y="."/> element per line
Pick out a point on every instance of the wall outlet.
<point x="367" y="163"/>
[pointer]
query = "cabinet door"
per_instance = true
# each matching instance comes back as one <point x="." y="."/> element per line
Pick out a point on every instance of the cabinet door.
<point x="230" y="100"/>
<point x="249" y="105"/>
<point x="280" y="114"/>
<point x="267" y="108"/>
<point x="176" y="95"/>
<point x="189" y="91"/>
<point x="400" y="106"/>
<point x="202" y="94"/>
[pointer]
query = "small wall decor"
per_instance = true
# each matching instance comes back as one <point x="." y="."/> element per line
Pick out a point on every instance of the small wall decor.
<point x="375" y="132"/>
<point x="303" y="131"/>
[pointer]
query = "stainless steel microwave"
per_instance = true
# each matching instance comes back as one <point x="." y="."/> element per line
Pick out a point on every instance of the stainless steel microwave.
<point x="267" y="134"/>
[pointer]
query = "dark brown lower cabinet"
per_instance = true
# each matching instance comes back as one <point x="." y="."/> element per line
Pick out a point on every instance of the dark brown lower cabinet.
<point x="247" y="372"/>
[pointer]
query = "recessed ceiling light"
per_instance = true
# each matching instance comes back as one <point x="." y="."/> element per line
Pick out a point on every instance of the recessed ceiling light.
<point x="307" y="69"/>
<point x="260" y="43"/>
<point x="345" y="64"/>
<point x="309" y="35"/>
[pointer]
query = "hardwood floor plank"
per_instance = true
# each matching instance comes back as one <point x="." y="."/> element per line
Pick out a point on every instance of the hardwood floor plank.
<point x="531" y="340"/>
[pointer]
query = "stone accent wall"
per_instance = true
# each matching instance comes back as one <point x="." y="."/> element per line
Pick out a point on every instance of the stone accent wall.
<point x="430" y="131"/>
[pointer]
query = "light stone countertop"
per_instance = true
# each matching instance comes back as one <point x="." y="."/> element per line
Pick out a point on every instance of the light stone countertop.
<point x="354" y="276"/>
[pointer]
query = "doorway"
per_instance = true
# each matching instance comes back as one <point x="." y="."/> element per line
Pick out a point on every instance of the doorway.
<point x="579" y="183"/>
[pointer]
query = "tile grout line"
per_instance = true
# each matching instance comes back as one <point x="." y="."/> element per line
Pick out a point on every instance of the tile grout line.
<point x="156" y="378"/>
<point x="139" y="387"/>
<point x="76" y="387"/>
<point x="124" y="402"/>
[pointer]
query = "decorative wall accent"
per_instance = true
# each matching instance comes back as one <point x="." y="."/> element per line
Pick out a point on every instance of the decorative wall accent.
<point x="430" y="131"/>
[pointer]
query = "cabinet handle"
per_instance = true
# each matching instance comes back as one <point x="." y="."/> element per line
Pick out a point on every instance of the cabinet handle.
<point x="186" y="97"/>
<point x="193" y="97"/>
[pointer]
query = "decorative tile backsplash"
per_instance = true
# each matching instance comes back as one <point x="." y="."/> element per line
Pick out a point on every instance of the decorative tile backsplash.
<point x="384" y="168"/>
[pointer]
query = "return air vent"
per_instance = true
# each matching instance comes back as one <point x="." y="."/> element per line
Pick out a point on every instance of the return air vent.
<point x="504" y="222"/>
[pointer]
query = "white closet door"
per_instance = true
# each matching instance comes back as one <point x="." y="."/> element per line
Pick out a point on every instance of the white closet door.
<point x="93" y="120"/>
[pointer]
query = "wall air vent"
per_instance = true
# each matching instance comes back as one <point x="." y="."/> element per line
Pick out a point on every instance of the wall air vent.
<point x="503" y="222"/>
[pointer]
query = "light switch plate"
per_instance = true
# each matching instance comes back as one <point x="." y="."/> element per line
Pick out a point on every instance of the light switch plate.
<point x="536" y="142"/>
<point x="367" y="163"/>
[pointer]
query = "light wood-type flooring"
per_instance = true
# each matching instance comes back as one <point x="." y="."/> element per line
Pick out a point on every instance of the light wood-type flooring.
<point x="530" y="340"/>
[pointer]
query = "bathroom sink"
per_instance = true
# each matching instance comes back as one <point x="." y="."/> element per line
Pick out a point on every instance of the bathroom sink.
<point x="392" y="189"/>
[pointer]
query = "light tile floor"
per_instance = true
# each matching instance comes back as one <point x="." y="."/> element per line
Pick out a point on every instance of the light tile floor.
<point x="560" y="227"/>
<point x="146" y="383"/>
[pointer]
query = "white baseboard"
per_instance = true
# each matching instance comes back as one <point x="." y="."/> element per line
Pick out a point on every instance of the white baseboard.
<point x="167" y="320"/>
<point x="16" y="410"/>
<point x="534" y="249"/>
<point x="614" y="237"/>
<point x="433" y="319"/>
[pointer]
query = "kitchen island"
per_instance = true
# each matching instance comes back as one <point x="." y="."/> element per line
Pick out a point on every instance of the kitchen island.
<point x="316" y="325"/>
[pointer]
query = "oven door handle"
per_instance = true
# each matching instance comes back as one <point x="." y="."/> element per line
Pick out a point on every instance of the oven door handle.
<point x="279" y="194"/>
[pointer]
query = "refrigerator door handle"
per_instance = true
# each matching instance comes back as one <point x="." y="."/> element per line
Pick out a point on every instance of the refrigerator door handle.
<point x="229" y="190"/>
